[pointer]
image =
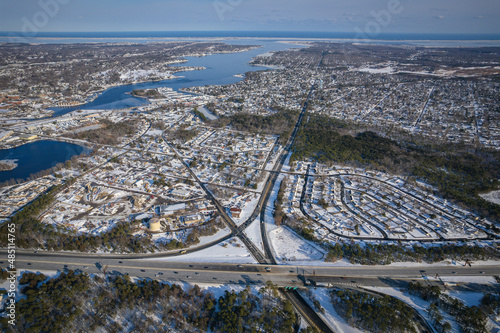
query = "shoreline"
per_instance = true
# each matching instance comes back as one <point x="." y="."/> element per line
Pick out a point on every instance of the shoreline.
<point x="403" y="41"/>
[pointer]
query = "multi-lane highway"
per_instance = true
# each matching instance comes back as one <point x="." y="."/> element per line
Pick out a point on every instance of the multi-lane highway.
<point x="253" y="273"/>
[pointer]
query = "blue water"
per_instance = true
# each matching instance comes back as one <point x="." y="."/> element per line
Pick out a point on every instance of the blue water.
<point x="36" y="156"/>
<point x="220" y="70"/>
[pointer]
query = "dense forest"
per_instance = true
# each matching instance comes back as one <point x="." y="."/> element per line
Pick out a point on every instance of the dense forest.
<point x="73" y="302"/>
<point x="373" y="314"/>
<point x="109" y="133"/>
<point x="279" y="123"/>
<point x="459" y="172"/>
<point x="182" y="134"/>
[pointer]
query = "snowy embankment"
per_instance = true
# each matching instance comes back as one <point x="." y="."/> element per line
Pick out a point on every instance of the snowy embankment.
<point x="253" y="232"/>
<point x="231" y="251"/>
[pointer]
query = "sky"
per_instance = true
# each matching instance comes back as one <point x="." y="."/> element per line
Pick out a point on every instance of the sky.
<point x="368" y="17"/>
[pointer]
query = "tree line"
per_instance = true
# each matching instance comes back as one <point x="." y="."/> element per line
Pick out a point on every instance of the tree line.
<point x="279" y="123"/>
<point x="385" y="254"/>
<point x="109" y="134"/>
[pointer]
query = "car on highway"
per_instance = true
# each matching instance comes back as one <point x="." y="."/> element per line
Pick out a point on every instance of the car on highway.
<point x="182" y="252"/>
<point x="268" y="269"/>
<point x="143" y="270"/>
<point x="240" y="266"/>
<point x="85" y="267"/>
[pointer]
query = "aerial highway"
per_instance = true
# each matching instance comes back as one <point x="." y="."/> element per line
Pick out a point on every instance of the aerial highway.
<point x="282" y="275"/>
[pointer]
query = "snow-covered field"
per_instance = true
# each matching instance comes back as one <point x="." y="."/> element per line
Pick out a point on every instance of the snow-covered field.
<point x="469" y="298"/>
<point x="493" y="196"/>
<point x="290" y="248"/>
<point x="385" y="70"/>
<point x="253" y="232"/>
<point x="232" y="251"/>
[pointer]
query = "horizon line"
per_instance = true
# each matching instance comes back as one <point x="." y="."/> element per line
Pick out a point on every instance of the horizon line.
<point x="259" y="31"/>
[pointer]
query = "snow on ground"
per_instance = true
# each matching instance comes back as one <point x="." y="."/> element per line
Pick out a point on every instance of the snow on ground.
<point x="470" y="279"/>
<point x="469" y="298"/>
<point x="6" y="284"/>
<point x="221" y="233"/>
<point x="218" y="289"/>
<point x="458" y="264"/>
<point x="207" y="113"/>
<point x="386" y="70"/>
<point x="417" y="303"/>
<point x="253" y="232"/>
<point x="269" y="209"/>
<point x="154" y="132"/>
<point x="272" y="162"/>
<point x="289" y="247"/>
<point x="247" y="210"/>
<point x="330" y="317"/>
<point x="232" y="251"/>
<point x="493" y="196"/>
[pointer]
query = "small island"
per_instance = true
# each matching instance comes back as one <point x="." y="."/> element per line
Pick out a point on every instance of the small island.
<point x="7" y="165"/>
<point x="147" y="93"/>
